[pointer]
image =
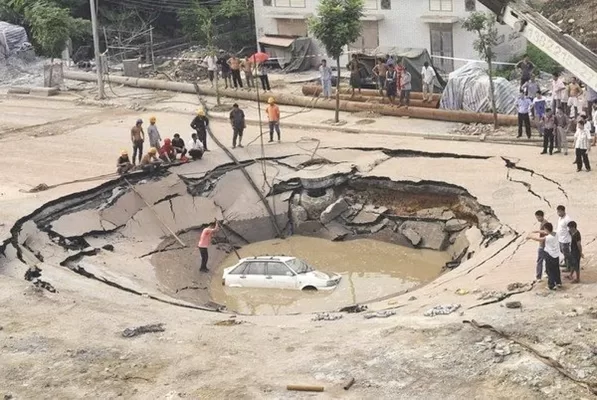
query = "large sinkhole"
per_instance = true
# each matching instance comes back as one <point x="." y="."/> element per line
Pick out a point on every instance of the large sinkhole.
<point x="384" y="237"/>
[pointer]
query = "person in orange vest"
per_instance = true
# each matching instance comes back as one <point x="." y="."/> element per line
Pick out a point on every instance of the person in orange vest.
<point x="273" y="115"/>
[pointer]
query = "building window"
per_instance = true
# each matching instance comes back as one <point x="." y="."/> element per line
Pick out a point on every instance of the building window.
<point x="386" y="4"/>
<point x="442" y="46"/>
<point x="290" y="3"/>
<point x="470" y="5"/>
<point x="440" y="5"/>
<point x="267" y="3"/>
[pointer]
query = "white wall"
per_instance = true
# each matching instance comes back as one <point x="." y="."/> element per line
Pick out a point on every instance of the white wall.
<point x="402" y="26"/>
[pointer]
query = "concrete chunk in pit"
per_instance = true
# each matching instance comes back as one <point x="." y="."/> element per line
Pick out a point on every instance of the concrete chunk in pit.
<point x="333" y="211"/>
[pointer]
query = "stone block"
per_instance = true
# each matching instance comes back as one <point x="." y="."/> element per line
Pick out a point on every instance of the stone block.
<point x="333" y="211"/>
<point x="432" y="234"/>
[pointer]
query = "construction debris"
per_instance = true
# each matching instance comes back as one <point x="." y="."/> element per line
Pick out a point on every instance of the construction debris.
<point x="442" y="310"/>
<point x="349" y="384"/>
<point x="140" y="330"/>
<point x="305" y="388"/>
<point x="380" y="314"/>
<point x="326" y="317"/>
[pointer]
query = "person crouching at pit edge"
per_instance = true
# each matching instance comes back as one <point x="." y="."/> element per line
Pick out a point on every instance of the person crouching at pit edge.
<point x="167" y="152"/>
<point x="552" y="256"/>
<point x="179" y="147"/>
<point x="575" y="252"/>
<point x="204" y="242"/>
<point x="150" y="158"/>
<point x="195" y="147"/>
<point x="123" y="165"/>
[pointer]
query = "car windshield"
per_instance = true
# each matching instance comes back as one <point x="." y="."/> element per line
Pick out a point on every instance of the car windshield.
<point x="300" y="267"/>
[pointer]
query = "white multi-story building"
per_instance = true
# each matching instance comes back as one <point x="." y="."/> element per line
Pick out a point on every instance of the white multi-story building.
<point x="431" y="24"/>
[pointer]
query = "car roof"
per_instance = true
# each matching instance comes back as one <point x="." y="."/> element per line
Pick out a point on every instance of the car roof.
<point x="268" y="258"/>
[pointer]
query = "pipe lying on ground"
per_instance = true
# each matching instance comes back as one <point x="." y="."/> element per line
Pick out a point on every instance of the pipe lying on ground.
<point x="301" y="101"/>
<point x="315" y="90"/>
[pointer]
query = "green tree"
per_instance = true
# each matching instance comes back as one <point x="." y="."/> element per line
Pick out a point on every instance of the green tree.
<point x="337" y="24"/>
<point x="484" y="25"/>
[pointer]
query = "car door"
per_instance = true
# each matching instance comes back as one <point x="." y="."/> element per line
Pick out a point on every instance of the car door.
<point x="279" y="276"/>
<point x="237" y="277"/>
<point x="255" y="275"/>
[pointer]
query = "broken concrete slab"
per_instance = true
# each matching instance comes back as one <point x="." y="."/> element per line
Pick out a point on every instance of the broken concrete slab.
<point x="370" y="214"/>
<point x="456" y="225"/>
<point x="81" y="223"/>
<point x="412" y="236"/>
<point x="156" y="190"/>
<point x="335" y="231"/>
<point x="311" y="228"/>
<point x="437" y="213"/>
<point x="298" y="214"/>
<point x="333" y="211"/>
<point x="459" y="243"/>
<point x="432" y="233"/>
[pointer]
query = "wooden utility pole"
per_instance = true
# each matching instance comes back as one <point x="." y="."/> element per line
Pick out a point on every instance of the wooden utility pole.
<point x="96" y="48"/>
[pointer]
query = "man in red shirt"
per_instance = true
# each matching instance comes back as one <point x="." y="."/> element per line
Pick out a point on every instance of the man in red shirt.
<point x="204" y="242"/>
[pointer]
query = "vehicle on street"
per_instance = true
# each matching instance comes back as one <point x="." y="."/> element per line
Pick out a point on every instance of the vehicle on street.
<point x="278" y="272"/>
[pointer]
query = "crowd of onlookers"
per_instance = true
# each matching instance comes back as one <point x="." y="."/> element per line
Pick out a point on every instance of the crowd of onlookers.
<point x="176" y="149"/>
<point x="572" y="109"/>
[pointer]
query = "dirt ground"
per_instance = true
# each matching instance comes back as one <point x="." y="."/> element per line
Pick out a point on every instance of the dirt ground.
<point x="68" y="345"/>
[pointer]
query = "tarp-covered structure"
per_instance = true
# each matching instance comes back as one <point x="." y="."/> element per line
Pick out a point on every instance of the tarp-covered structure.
<point x="13" y="38"/>
<point x="468" y="89"/>
<point x="292" y="54"/>
<point x="413" y="59"/>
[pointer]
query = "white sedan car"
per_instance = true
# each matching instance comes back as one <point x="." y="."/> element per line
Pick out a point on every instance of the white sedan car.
<point x="278" y="273"/>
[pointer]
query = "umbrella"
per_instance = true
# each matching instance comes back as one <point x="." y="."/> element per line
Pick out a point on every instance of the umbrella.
<point x="259" y="57"/>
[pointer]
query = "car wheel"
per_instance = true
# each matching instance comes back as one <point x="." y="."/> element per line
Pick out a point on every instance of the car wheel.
<point x="310" y="289"/>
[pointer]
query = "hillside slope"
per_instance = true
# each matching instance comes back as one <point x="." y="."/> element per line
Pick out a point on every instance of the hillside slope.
<point x="575" y="17"/>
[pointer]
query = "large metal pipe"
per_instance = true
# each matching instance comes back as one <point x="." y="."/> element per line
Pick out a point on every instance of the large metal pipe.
<point x="302" y="101"/>
<point x="315" y="90"/>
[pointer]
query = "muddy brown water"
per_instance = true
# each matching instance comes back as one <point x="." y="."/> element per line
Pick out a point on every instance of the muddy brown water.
<point x="370" y="270"/>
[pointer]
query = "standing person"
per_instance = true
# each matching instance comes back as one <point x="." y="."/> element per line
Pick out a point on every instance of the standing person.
<point x="563" y="235"/>
<point x="380" y="71"/>
<point x="237" y="120"/>
<point x="561" y="130"/>
<point x="551" y="254"/>
<point x="582" y="144"/>
<point x="523" y="105"/>
<point x="200" y="124"/>
<point x="531" y="88"/>
<point x="539" y="106"/>
<point x="575" y="252"/>
<point x="355" y="74"/>
<point x="234" y="64"/>
<point x="526" y="68"/>
<point x="179" y="146"/>
<point x="574" y="94"/>
<point x="195" y="147"/>
<point x="224" y="68"/>
<point x="154" y="134"/>
<point x="391" y="83"/>
<point x="247" y="67"/>
<point x="591" y="95"/>
<point x="137" y="138"/>
<point x="428" y="75"/>
<point x="594" y="124"/>
<point x="548" y="121"/>
<point x="557" y="91"/>
<point x="326" y="79"/>
<point x="123" y="164"/>
<point x="273" y="115"/>
<point x="262" y="72"/>
<point x="406" y="87"/>
<point x="204" y="242"/>
<point x="540" y="215"/>
<point x="210" y="62"/>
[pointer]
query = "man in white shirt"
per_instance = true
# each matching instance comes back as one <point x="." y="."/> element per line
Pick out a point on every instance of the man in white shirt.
<point x="563" y="234"/>
<point x="428" y="75"/>
<point x="195" y="147"/>
<point x="582" y="144"/>
<point x="210" y="62"/>
<point x="557" y="91"/>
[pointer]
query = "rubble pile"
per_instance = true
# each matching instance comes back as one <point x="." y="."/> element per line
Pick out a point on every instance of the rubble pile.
<point x="186" y="66"/>
<point x="572" y="17"/>
<point x="478" y="130"/>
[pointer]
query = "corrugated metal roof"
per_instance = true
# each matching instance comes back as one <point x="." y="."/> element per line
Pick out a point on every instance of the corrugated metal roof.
<point x="276" y="41"/>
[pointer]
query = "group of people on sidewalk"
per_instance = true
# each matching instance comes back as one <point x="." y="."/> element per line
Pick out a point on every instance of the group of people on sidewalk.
<point x="229" y="68"/>
<point x="176" y="149"/>
<point x="562" y="243"/>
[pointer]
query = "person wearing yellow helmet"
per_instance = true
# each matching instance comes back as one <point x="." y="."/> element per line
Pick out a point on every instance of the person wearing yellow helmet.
<point x="200" y="124"/>
<point x="151" y="157"/>
<point x="154" y="135"/>
<point x="138" y="138"/>
<point x="273" y="115"/>
<point x="123" y="164"/>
